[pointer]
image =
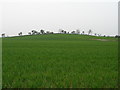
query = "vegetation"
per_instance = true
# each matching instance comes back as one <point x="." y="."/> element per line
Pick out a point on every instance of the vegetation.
<point x="20" y="34"/>
<point x="60" y="60"/>
<point x="61" y="31"/>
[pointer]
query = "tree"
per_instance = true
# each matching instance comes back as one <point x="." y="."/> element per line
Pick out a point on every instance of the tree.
<point x="29" y="33"/>
<point x="51" y="33"/>
<point x="34" y="32"/>
<point x="42" y="31"/>
<point x="20" y="34"/>
<point x="117" y="36"/>
<point x="104" y="36"/>
<point x="95" y="34"/>
<point x="64" y="32"/>
<point x="61" y="30"/>
<point x="99" y="34"/>
<point x="3" y="35"/>
<point x="47" y="32"/>
<point x="77" y="31"/>
<point x="73" y="32"/>
<point x="83" y="32"/>
<point x="89" y="32"/>
<point x="38" y="33"/>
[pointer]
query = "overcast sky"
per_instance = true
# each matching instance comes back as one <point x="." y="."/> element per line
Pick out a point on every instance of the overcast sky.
<point x="101" y="17"/>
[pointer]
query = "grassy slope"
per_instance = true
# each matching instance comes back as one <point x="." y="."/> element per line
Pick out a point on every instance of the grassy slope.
<point x="59" y="61"/>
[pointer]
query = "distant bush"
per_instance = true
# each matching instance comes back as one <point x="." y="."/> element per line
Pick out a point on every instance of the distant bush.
<point x="117" y="36"/>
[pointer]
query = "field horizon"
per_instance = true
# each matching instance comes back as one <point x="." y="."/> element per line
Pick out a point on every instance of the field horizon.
<point x="60" y="61"/>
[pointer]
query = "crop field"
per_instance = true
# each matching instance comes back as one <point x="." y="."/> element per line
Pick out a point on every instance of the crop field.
<point x="59" y="61"/>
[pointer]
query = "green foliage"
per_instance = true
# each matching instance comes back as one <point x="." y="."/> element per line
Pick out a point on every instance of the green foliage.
<point x="57" y="61"/>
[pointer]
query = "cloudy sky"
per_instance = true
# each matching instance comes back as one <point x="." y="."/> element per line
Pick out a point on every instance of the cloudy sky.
<point x="23" y="16"/>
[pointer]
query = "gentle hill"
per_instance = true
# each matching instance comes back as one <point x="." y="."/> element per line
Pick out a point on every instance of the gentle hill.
<point x="59" y="61"/>
<point x="61" y="37"/>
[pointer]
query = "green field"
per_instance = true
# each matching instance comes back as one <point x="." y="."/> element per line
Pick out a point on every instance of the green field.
<point x="60" y="61"/>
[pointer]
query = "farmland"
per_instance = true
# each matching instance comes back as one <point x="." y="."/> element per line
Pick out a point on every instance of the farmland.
<point x="59" y="61"/>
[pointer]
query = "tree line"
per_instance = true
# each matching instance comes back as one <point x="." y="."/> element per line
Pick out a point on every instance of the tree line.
<point x="61" y="31"/>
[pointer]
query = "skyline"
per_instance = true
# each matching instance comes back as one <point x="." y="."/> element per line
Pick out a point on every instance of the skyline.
<point x="100" y="17"/>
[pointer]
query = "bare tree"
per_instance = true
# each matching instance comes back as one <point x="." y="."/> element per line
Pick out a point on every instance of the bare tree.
<point x="89" y="32"/>
<point x="99" y="34"/>
<point x="77" y="31"/>
<point x="59" y="30"/>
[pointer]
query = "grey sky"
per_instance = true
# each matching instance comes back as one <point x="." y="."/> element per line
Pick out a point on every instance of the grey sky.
<point x="101" y="17"/>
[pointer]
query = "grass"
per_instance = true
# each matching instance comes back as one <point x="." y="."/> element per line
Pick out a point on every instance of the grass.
<point x="59" y="61"/>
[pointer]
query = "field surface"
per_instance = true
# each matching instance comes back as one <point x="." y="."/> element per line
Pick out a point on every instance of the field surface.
<point x="60" y="61"/>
